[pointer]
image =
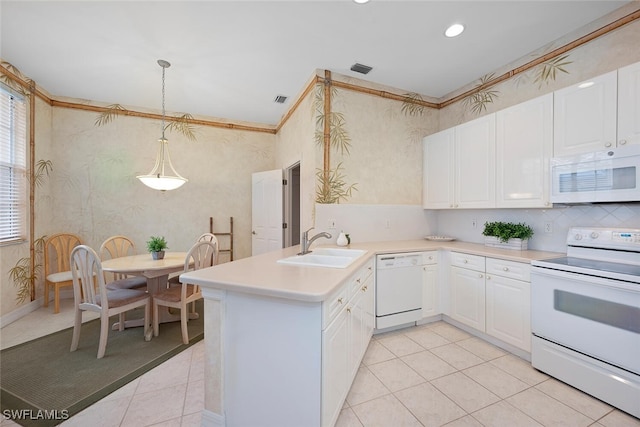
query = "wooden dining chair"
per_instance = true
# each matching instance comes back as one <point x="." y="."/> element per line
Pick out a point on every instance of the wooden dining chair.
<point x="85" y="267"/>
<point x="116" y="247"/>
<point x="210" y="237"/>
<point x="57" y="252"/>
<point x="201" y="255"/>
<point x="206" y="237"/>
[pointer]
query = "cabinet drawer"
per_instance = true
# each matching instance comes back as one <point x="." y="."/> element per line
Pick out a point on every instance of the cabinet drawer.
<point x="367" y="270"/>
<point x="332" y="306"/>
<point x="429" y="258"/>
<point x="510" y="269"/>
<point x="471" y="262"/>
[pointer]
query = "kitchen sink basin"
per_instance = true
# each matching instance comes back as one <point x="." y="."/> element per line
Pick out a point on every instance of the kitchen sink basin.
<point x="349" y="253"/>
<point x="325" y="257"/>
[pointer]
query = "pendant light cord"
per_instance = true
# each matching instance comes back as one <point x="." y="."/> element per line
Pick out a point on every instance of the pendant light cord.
<point x="163" y="69"/>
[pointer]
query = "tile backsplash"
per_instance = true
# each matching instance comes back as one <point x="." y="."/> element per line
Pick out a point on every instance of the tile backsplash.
<point x="401" y="222"/>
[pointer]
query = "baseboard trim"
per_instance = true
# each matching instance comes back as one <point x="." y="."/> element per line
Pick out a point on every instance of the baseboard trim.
<point x="20" y="312"/>
<point x="211" y="419"/>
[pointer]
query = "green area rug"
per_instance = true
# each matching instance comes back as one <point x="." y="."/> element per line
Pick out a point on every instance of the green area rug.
<point x="42" y="379"/>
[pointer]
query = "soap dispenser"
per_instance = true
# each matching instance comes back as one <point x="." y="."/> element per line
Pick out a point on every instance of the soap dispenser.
<point x="342" y="239"/>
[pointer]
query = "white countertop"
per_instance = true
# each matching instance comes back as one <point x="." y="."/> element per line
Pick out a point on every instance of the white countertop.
<point x="262" y="275"/>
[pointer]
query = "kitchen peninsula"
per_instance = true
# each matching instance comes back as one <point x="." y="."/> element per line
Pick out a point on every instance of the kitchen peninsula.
<point x="283" y="342"/>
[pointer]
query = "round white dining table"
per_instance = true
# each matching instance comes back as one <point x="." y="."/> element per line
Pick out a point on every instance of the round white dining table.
<point x="157" y="273"/>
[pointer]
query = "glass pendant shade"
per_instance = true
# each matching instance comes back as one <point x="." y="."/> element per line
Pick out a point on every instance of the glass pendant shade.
<point x="157" y="178"/>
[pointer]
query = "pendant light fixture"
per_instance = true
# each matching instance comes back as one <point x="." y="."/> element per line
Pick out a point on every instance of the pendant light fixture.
<point x="163" y="176"/>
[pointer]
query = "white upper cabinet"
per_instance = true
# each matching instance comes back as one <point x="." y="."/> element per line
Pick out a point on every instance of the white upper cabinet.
<point x="438" y="158"/>
<point x="524" y="144"/>
<point x="475" y="165"/>
<point x="459" y="166"/>
<point x="585" y="117"/>
<point x="629" y="105"/>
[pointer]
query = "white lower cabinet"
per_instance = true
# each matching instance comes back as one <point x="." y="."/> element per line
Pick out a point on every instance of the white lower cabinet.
<point x="345" y="340"/>
<point x="492" y="296"/>
<point x="430" y="286"/>
<point x="509" y="302"/>
<point x="466" y="287"/>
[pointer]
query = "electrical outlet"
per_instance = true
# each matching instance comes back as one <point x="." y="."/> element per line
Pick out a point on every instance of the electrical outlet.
<point x="548" y="227"/>
<point x="474" y="223"/>
<point x="331" y="224"/>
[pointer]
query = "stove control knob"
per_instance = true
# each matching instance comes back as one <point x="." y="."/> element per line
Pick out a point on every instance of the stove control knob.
<point x="577" y="237"/>
<point x="594" y="235"/>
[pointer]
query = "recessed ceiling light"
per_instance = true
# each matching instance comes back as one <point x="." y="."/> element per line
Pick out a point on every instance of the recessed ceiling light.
<point x="361" y="1"/>
<point x="454" y="30"/>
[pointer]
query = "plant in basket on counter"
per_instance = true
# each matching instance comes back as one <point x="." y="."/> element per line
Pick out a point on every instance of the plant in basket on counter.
<point x="156" y="245"/>
<point x="507" y="235"/>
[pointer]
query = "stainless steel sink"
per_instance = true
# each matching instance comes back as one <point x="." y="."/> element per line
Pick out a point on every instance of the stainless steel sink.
<point x="325" y="257"/>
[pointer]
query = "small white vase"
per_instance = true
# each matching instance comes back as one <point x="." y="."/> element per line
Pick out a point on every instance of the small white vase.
<point x="342" y="240"/>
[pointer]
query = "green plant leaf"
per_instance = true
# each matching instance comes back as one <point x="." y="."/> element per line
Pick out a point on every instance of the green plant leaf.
<point x="507" y="230"/>
<point x="156" y="244"/>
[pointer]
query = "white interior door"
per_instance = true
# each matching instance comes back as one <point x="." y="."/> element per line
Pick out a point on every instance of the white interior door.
<point x="266" y="211"/>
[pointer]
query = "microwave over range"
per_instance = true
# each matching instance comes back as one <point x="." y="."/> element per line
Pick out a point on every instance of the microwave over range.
<point x="602" y="176"/>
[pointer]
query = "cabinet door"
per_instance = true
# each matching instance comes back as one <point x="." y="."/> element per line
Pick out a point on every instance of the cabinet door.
<point x="335" y="369"/>
<point x="430" y="294"/>
<point x="585" y="116"/>
<point x="368" y="312"/>
<point x="355" y="314"/>
<point x="467" y="297"/>
<point x="475" y="165"/>
<point x="524" y="145"/>
<point x="629" y="105"/>
<point x="437" y="185"/>
<point x="508" y="311"/>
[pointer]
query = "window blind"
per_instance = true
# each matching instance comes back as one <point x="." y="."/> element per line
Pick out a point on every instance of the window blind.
<point x="13" y="141"/>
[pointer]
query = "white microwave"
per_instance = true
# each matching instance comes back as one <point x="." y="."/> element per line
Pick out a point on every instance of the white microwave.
<point x="602" y="176"/>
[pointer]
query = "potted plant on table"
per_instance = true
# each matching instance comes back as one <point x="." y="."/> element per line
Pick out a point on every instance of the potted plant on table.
<point x="156" y="245"/>
<point x="507" y="235"/>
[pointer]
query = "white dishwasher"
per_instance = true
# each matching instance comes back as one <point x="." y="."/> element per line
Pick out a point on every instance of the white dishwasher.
<point x="398" y="289"/>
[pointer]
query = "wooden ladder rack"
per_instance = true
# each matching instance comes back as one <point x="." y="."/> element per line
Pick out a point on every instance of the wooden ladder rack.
<point x="229" y="250"/>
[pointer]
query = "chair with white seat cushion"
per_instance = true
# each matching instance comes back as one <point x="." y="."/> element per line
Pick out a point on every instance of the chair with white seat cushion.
<point x="85" y="267"/>
<point x="201" y="255"/>
<point x="116" y="247"/>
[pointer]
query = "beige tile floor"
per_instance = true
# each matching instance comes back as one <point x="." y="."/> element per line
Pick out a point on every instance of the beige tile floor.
<point x="430" y="375"/>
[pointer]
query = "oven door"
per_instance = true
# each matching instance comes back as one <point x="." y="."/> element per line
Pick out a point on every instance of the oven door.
<point x="595" y="316"/>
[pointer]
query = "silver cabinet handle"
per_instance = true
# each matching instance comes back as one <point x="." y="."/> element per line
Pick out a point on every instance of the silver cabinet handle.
<point x="480" y="276"/>
<point x="608" y="144"/>
<point x="506" y="269"/>
<point x="340" y="300"/>
<point x="622" y="141"/>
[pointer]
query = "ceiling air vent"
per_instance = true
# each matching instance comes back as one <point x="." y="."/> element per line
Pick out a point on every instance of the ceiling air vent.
<point x="280" y="99"/>
<point x="359" y="68"/>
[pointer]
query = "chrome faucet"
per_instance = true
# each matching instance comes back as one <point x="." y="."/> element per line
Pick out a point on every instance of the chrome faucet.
<point x="306" y="241"/>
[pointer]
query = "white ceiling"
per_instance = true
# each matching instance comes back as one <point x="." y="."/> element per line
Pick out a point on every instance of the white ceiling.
<point x="231" y="58"/>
